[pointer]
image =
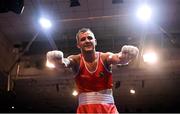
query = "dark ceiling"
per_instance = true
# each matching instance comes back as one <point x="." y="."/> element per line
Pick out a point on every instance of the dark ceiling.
<point x="107" y="20"/>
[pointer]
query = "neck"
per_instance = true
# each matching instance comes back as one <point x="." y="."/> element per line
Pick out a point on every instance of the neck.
<point x="89" y="56"/>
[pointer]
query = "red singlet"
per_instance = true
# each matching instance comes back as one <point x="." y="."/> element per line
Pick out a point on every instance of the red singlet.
<point x="98" y="80"/>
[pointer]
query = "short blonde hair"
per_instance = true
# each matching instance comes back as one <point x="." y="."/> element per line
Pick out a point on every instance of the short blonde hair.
<point x="82" y="30"/>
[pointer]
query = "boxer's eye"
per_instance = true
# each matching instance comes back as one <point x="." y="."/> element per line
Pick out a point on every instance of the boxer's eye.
<point x="89" y="38"/>
<point x="83" y="39"/>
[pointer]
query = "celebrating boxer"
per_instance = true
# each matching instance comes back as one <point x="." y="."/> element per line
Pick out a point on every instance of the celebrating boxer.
<point x="93" y="75"/>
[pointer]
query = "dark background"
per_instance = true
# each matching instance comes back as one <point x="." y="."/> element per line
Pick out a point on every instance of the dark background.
<point x="36" y="88"/>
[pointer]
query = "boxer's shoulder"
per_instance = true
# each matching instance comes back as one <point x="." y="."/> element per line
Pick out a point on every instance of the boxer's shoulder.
<point x="105" y="55"/>
<point x="75" y="58"/>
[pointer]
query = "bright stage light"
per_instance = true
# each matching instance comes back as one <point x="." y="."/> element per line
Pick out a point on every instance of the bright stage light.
<point x="132" y="91"/>
<point x="150" y="57"/>
<point x="45" y="23"/>
<point x="75" y="93"/>
<point x="50" y="65"/>
<point x="144" y="13"/>
<point x="12" y="107"/>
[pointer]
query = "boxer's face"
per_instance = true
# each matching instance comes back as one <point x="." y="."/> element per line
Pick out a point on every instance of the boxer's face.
<point x="86" y="41"/>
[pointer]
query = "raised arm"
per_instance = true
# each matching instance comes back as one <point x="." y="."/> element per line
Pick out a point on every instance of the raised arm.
<point x="127" y="54"/>
<point x="57" y="58"/>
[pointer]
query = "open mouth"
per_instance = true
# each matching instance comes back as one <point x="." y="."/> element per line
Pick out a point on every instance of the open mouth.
<point x="88" y="45"/>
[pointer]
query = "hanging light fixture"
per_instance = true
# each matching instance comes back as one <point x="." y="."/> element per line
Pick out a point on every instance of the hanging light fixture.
<point x="74" y="3"/>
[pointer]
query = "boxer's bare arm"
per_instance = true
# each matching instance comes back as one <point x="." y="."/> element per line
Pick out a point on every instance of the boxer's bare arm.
<point x="112" y="58"/>
<point x="127" y="54"/>
<point x="74" y="60"/>
<point x="56" y="57"/>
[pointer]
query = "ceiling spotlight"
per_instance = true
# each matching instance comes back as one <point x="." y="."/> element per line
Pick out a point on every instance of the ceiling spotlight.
<point x="132" y="91"/>
<point x="45" y="23"/>
<point x="144" y="13"/>
<point x="74" y="3"/>
<point x="74" y="93"/>
<point x="12" y="107"/>
<point x="150" y="57"/>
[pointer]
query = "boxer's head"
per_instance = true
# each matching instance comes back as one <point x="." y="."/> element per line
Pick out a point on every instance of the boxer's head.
<point x="86" y="39"/>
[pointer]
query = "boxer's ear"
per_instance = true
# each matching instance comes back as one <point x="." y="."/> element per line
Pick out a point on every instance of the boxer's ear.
<point x="78" y="46"/>
<point x="95" y="42"/>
